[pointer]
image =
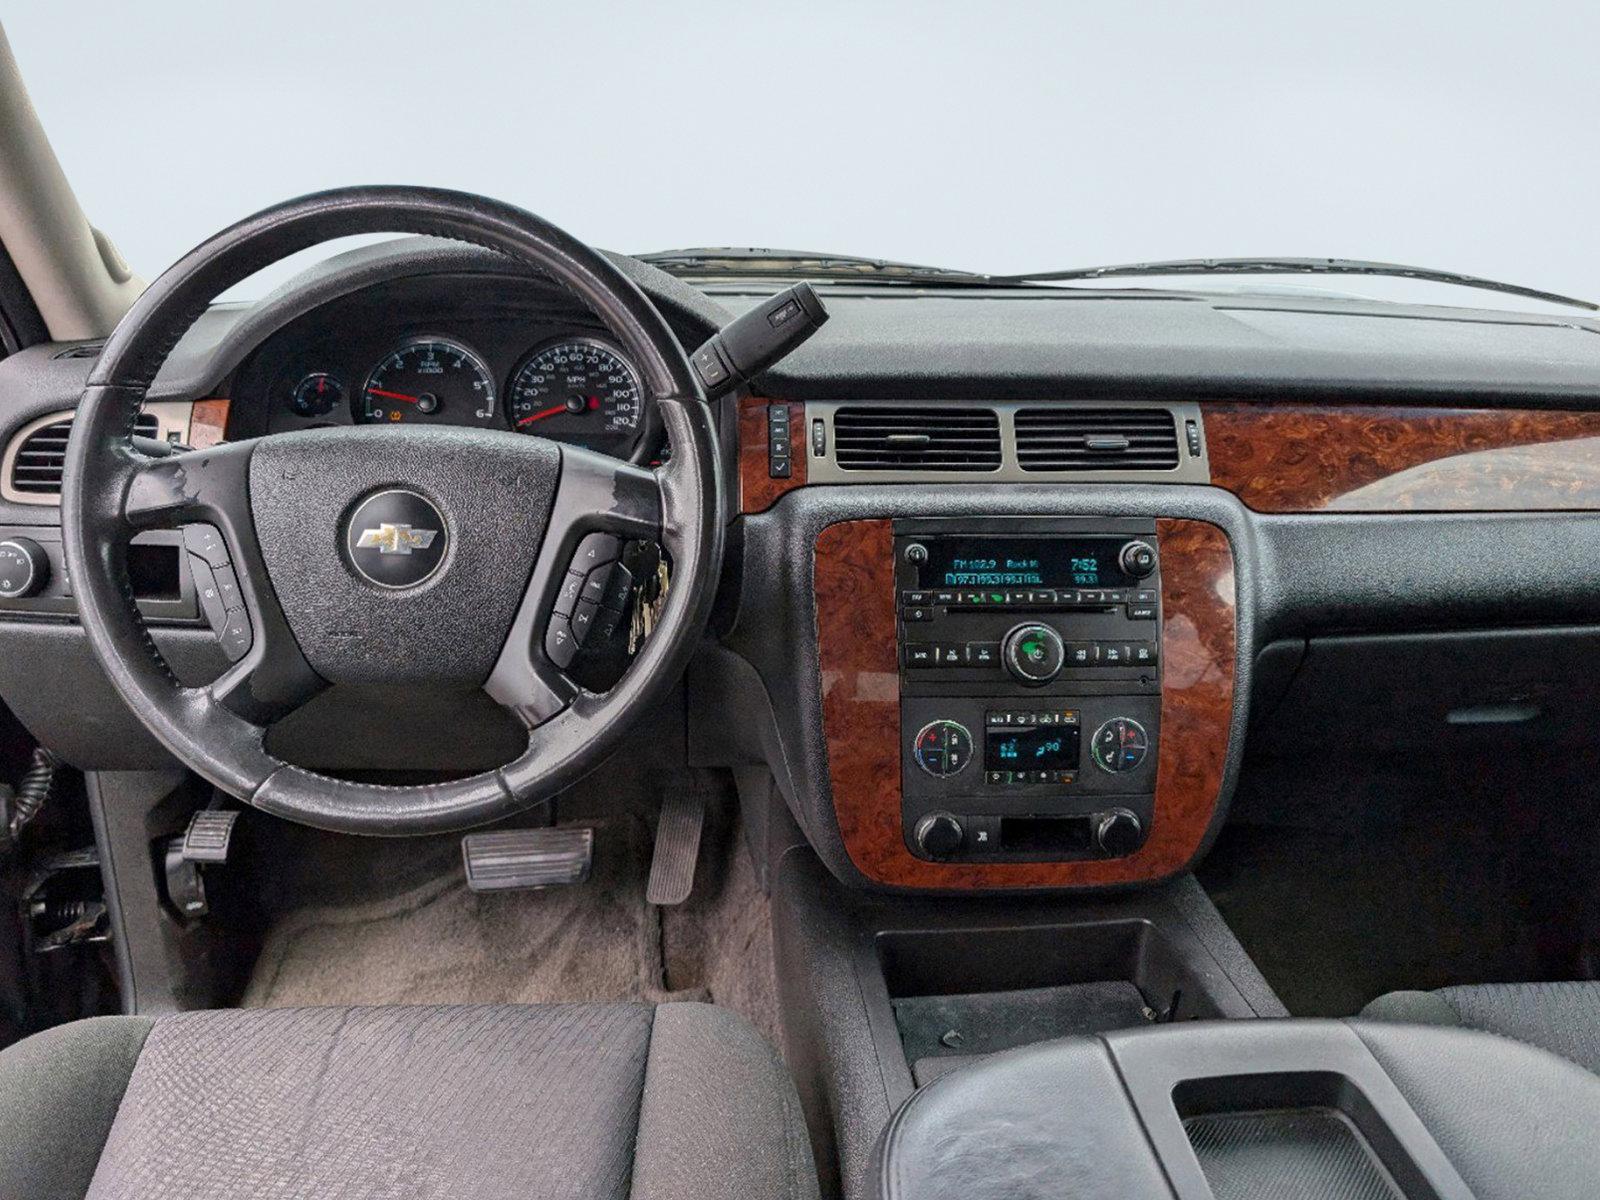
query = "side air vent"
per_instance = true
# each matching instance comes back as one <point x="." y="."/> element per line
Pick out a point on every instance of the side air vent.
<point x="916" y="439"/>
<point x="1096" y="439"/>
<point x="40" y="459"/>
<point x="87" y="350"/>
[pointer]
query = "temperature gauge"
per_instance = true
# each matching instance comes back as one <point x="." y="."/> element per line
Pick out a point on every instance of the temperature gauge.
<point x="316" y="395"/>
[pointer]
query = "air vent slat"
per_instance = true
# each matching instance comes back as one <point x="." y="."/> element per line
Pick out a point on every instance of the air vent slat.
<point x="37" y="468"/>
<point x="1058" y="439"/>
<point x="916" y="439"/>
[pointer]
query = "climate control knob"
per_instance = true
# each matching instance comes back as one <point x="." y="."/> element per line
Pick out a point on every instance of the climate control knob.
<point x="1119" y="745"/>
<point x="1118" y="832"/>
<point x="939" y="835"/>
<point x="1033" y="653"/>
<point x="24" y="568"/>
<point x="943" y="748"/>
<point x="1137" y="559"/>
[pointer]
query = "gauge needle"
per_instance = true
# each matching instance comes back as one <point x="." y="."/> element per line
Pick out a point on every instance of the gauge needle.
<point x="539" y="416"/>
<point x="371" y="391"/>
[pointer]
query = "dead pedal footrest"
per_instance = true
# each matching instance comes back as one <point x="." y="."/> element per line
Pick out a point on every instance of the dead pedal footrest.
<point x="527" y="858"/>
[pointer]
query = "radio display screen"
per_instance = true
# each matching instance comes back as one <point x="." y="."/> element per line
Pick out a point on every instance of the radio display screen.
<point x="976" y="561"/>
<point x="1032" y="748"/>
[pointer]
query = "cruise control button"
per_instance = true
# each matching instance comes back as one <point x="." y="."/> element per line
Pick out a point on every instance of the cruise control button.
<point x="205" y="590"/>
<point x="228" y="588"/>
<point x="236" y="636"/>
<point x="206" y="541"/>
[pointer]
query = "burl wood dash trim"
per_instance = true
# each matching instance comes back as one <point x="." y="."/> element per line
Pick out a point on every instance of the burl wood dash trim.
<point x="854" y="585"/>
<point x="1353" y="458"/>
<point x="757" y="491"/>
<point x="208" y="423"/>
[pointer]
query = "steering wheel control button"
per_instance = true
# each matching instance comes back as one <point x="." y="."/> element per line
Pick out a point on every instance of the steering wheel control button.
<point x="1034" y="653"/>
<point x="206" y="542"/>
<point x="396" y="539"/>
<point x="24" y="568"/>
<point x="1119" y="745"/>
<point x="943" y="748"/>
<point x="571" y="589"/>
<point x="583" y="620"/>
<point x="560" y="646"/>
<point x="594" y="550"/>
<point x="236" y="636"/>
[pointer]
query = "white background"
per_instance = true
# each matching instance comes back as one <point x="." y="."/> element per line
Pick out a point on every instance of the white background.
<point x="992" y="136"/>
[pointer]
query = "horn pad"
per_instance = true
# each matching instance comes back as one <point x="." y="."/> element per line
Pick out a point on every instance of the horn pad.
<point x="401" y="555"/>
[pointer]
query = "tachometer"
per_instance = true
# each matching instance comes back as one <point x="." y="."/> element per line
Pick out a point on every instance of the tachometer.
<point x="429" y="380"/>
<point x="578" y="390"/>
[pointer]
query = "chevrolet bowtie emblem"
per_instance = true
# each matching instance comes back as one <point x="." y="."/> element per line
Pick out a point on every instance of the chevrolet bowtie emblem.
<point x="395" y="539"/>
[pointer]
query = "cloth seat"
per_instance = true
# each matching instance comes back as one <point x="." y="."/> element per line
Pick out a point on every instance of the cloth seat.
<point x="590" y="1101"/>
<point x="1560" y="1017"/>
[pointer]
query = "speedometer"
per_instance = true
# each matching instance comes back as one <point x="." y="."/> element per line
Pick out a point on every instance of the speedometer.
<point x="578" y="390"/>
<point x="429" y="380"/>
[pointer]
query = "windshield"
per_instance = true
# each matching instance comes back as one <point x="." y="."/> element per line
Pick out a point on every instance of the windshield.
<point x="998" y="138"/>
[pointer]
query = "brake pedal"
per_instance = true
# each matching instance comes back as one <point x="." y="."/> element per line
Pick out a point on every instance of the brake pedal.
<point x="683" y="815"/>
<point x="514" y="859"/>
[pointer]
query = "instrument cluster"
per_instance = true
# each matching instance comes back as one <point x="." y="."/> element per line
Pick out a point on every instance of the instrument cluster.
<point x="483" y="352"/>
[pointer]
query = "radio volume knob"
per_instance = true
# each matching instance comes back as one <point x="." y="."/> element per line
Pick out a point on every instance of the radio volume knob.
<point x="1034" y="653"/>
<point x="1137" y="559"/>
<point x="939" y="835"/>
<point x="24" y="568"/>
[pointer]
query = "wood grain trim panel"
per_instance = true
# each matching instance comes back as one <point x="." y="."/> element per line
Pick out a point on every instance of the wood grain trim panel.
<point x="1314" y="458"/>
<point x="208" y="423"/>
<point x="757" y="491"/>
<point x="854" y="584"/>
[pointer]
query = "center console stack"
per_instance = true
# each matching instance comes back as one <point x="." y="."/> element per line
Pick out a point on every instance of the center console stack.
<point x="1030" y="655"/>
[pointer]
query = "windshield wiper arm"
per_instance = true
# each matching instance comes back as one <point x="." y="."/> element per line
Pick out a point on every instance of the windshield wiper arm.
<point x="1293" y="266"/>
<point x="755" y="260"/>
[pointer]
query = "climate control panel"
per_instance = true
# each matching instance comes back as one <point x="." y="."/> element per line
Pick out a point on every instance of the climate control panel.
<point x="1030" y="687"/>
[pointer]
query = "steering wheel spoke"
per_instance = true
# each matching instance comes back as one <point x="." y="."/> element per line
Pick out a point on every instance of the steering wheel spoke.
<point x="600" y="504"/>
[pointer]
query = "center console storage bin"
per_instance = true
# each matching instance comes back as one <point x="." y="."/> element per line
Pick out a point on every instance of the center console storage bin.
<point x="966" y="992"/>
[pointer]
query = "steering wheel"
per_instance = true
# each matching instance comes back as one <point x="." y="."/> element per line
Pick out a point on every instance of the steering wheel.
<point x="388" y="554"/>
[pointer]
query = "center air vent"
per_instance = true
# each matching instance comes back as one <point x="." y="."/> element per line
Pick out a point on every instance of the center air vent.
<point x="1096" y="439"/>
<point x="40" y="459"/>
<point x="928" y="438"/>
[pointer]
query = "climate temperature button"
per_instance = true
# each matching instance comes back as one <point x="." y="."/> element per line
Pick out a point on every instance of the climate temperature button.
<point x="943" y="748"/>
<point x="1119" y="745"/>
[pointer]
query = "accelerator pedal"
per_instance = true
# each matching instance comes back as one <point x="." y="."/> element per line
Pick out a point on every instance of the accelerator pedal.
<point x="514" y="859"/>
<point x="683" y="815"/>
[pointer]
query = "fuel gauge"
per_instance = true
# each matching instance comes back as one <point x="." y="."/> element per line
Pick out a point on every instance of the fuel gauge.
<point x="316" y="395"/>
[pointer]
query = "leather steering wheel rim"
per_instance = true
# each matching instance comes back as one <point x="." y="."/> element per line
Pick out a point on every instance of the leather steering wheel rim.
<point x="112" y="491"/>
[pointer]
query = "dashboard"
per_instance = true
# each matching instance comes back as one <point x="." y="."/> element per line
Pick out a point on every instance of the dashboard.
<point x="494" y="353"/>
